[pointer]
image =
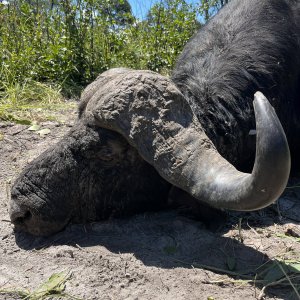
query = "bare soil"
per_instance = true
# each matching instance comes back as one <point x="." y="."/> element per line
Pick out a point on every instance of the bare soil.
<point x="160" y="255"/>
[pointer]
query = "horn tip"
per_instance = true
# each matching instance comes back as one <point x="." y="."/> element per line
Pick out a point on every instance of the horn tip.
<point x="262" y="104"/>
<point x="260" y="98"/>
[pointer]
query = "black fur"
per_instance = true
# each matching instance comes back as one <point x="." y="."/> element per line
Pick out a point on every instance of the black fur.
<point x="248" y="46"/>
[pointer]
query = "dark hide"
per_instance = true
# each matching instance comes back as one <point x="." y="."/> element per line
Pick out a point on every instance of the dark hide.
<point x="91" y="174"/>
<point x="248" y="46"/>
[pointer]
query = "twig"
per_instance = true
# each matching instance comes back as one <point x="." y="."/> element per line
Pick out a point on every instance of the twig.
<point x="210" y="268"/>
<point x="289" y="280"/>
<point x="4" y="284"/>
<point x="79" y="247"/>
<point x="262" y="294"/>
<point x="163" y="284"/>
<point x="278" y="211"/>
<point x="293" y="187"/>
<point x="252" y="229"/>
<point x="240" y="230"/>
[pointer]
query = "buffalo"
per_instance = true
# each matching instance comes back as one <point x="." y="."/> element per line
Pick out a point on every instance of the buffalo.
<point x="140" y="135"/>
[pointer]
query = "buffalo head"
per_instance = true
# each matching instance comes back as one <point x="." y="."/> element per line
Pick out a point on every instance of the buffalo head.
<point x="135" y="137"/>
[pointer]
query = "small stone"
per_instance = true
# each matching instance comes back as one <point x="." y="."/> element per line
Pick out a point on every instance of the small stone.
<point x="293" y="231"/>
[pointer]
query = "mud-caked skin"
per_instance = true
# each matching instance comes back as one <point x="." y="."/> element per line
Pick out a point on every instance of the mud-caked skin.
<point x="140" y="133"/>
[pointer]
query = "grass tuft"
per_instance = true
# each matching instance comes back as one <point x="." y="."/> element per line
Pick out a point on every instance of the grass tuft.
<point x="275" y="272"/>
<point x="22" y="101"/>
<point x="54" y="286"/>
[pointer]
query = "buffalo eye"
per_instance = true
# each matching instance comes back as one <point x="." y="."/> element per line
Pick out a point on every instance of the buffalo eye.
<point x="111" y="152"/>
<point x="106" y="154"/>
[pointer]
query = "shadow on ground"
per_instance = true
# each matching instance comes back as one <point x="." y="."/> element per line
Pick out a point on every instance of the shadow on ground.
<point x="164" y="240"/>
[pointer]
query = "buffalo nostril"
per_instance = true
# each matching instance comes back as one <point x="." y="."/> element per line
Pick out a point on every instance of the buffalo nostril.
<point x="20" y="217"/>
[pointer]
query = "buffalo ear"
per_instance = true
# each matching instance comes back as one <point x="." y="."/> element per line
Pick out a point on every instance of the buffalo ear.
<point x="106" y="146"/>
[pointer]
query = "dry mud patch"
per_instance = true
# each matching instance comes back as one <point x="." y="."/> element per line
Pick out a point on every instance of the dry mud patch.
<point x="150" y="256"/>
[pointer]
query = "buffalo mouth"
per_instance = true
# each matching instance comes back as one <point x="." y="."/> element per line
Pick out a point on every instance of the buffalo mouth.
<point x="35" y="225"/>
<point x="21" y="219"/>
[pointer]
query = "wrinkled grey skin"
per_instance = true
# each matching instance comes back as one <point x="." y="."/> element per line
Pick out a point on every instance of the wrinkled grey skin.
<point x="139" y="133"/>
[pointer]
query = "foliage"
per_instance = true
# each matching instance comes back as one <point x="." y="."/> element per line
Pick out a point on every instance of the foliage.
<point x="63" y="45"/>
<point x="209" y="8"/>
<point x="54" y="287"/>
<point x="170" y="25"/>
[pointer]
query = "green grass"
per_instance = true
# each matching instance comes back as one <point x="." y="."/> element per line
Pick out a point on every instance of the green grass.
<point x="31" y="100"/>
<point x="26" y="100"/>
<point x="54" y="286"/>
<point x="274" y="273"/>
<point x="29" y="91"/>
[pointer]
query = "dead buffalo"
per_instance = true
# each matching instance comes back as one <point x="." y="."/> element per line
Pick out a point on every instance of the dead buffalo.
<point x="139" y="133"/>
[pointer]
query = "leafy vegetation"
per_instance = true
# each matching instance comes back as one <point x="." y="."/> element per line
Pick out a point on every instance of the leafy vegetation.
<point x="53" y="47"/>
<point x="54" y="287"/>
<point x="274" y="273"/>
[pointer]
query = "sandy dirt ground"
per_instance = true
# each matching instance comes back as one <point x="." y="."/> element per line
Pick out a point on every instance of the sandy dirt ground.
<point x="160" y="255"/>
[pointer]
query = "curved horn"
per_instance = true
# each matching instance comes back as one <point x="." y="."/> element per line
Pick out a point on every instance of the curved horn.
<point x="152" y="114"/>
